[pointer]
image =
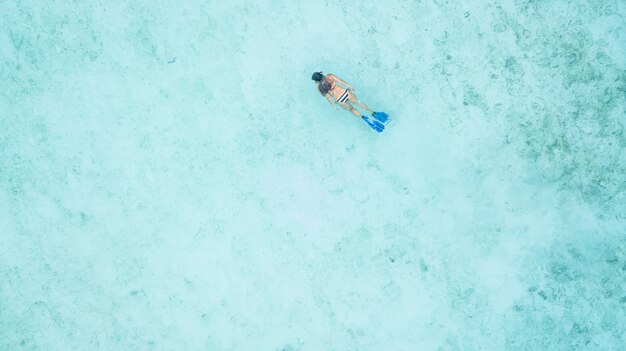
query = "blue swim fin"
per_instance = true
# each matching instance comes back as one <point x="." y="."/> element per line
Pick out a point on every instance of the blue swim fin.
<point x="377" y="126"/>
<point x="381" y="117"/>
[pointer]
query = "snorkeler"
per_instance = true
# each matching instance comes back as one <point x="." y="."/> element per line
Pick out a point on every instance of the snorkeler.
<point x="334" y="89"/>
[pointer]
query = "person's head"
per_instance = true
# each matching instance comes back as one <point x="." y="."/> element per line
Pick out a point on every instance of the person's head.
<point x="324" y="87"/>
<point x="318" y="76"/>
<point x="322" y="84"/>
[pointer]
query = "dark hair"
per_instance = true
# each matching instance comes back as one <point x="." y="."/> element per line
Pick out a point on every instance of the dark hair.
<point x="317" y="76"/>
<point x="324" y="87"/>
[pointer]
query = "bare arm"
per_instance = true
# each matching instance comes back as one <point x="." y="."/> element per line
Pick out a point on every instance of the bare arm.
<point x="341" y="81"/>
<point x="330" y="100"/>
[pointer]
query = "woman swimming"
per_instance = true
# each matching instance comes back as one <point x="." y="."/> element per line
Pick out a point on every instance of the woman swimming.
<point x="342" y="93"/>
<point x="335" y="88"/>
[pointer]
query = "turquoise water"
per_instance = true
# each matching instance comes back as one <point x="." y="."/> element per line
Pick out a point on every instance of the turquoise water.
<point x="171" y="180"/>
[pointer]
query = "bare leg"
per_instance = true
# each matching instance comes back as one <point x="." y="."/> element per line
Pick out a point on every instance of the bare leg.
<point x="364" y="106"/>
<point x="352" y="109"/>
<point x="353" y="99"/>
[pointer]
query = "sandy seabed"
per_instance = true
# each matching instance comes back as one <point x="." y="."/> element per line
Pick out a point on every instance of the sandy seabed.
<point x="171" y="180"/>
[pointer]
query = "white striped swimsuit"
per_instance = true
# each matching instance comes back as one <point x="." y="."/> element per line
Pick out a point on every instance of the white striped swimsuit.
<point x="344" y="97"/>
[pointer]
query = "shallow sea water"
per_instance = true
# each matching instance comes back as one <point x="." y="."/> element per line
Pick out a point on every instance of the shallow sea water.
<point x="171" y="180"/>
